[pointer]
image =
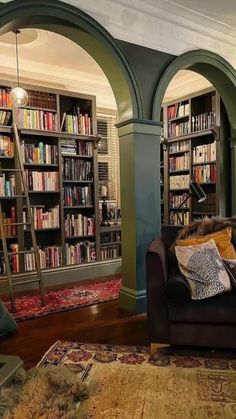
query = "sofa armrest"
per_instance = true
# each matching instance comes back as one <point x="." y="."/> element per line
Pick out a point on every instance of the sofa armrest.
<point x="157" y="308"/>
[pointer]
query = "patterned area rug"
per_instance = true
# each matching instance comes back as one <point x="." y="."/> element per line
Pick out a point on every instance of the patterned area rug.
<point x="29" y="307"/>
<point x="129" y="383"/>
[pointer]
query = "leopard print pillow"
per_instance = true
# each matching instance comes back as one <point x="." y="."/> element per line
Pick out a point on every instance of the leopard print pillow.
<point x="204" y="269"/>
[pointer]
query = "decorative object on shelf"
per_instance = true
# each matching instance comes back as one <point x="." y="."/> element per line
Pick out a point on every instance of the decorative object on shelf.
<point x="197" y="191"/>
<point x="19" y="95"/>
<point x="104" y="221"/>
<point x="78" y="296"/>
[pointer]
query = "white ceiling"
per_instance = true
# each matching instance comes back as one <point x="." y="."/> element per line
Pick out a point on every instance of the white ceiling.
<point x="42" y="63"/>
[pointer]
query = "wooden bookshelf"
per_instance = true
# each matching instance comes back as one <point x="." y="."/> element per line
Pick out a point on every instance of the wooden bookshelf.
<point x="195" y="148"/>
<point x="58" y="134"/>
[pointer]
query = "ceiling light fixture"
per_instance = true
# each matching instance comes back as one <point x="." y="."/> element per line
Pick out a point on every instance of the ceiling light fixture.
<point x="19" y="96"/>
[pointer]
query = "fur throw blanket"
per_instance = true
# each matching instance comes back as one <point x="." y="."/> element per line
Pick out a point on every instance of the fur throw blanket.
<point x="204" y="227"/>
<point x="42" y="393"/>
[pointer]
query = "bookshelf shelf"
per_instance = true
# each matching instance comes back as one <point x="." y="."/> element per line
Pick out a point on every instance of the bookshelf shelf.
<point x="179" y="118"/>
<point x="40" y="165"/>
<point x="36" y="108"/>
<point x="88" y="236"/>
<point x="174" y="172"/>
<point x="44" y="229"/>
<point x="205" y="162"/>
<point x="79" y="207"/>
<point x="105" y="229"/>
<point x="7" y="129"/>
<point x="76" y="156"/>
<point x="193" y="143"/>
<point x="77" y="181"/>
<point x="46" y="192"/>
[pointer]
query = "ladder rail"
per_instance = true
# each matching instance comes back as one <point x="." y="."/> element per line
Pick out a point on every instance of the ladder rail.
<point x="6" y="260"/>
<point x="29" y="222"/>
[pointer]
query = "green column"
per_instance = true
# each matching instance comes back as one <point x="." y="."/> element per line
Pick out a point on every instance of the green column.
<point x="140" y="205"/>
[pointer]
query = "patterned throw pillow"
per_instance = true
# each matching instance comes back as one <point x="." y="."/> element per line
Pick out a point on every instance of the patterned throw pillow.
<point x="230" y="266"/>
<point x="204" y="270"/>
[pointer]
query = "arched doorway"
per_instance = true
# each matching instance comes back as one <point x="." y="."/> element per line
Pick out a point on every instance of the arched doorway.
<point x="222" y="76"/>
<point x="138" y="224"/>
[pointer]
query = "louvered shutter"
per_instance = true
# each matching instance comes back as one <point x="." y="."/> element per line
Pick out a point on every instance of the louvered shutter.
<point x="108" y="155"/>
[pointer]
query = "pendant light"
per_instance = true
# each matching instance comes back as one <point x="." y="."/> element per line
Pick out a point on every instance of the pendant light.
<point x="19" y="96"/>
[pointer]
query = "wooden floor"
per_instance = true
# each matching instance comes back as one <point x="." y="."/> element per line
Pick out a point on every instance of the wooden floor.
<point x="100" y="323"/>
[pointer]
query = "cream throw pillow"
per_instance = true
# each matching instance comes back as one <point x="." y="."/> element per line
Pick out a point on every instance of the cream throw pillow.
<point x="204" y="270"/>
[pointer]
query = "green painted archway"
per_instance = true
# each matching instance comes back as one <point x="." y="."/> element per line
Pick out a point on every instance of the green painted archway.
<point x="66" y="20"/>
<point x="210" y="65"/>
<point x="223" y="77"/>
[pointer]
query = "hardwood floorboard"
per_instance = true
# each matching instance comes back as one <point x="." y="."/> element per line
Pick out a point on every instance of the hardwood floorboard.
<point x="100" y="323"/>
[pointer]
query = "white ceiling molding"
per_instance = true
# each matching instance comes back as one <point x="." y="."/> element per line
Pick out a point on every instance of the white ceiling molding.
<point x="163" y="25"/>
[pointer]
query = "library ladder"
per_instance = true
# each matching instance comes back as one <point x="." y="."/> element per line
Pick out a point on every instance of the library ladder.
<point x="19" y="171"/>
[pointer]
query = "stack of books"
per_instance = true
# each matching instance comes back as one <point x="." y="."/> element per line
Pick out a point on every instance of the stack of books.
<point x="6" y="146"/>
<point x="80" y="252"/>
<point x="42" y="181"/>
<point x="77" y="196"/>
<point x="77" y="169"/>
<point x="39" y="153"/>
<point x="79" y="225"/>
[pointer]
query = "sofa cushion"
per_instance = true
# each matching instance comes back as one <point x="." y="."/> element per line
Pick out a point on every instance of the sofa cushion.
<point x="204" y="270"/>
<point x="222" y="240"/>
<point x="218" y="309"/>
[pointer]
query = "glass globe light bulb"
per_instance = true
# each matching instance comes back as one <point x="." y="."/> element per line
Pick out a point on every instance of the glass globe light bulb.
<point x="19" y="96"/>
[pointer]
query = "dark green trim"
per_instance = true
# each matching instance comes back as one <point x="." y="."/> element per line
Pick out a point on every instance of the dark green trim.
<point x="139" y="121"/>
<point x="210" y="65"/>
<point x="132" y="300"/>
<point x="75" y="24"/>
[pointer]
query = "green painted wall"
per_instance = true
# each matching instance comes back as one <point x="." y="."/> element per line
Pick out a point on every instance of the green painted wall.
<point x="148" y="66"/>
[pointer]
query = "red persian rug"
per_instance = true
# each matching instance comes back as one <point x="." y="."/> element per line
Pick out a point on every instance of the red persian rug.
<point x="29" y="307"/>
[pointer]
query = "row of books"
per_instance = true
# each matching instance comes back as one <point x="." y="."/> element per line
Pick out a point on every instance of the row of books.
<point x="6" y="146"/>
<point x="113" y="236"/>
<point x="80" y="252"/>
<point x="13" y="259"/>
<point x="77" y="196"/>
<point x="75" y="147"/>
<point x="9" y="218"/>
<point x="203" y="121"/>
<point x="182" y="218"/>
<point x="50" y="257"/>
<point x="37" y="120"/>
<point x="76" y="124"/>
<point x="206" y="173"/>
<point x="5" y="98"/>
<point x="209" y="205"/>
<point x="43" y="217"/>
<point x="179" y="146"/>
<point x="204" y="153"/>
<point x="39" y="153"/>
<point x="111" y="252"/>
<point x="179" y="163"/>
<point x="178" y="128"/>
<point x="178" y="110"/>
<point x="5" y="118"/>
<point x="176" y="200"/>
<point x="77" y="169"/>
<point x="41" y="100"/>
<point x="179" y="182"/>
<point x="7" y="184"/>
<point x="42" y="181"/>
<point x="79" y="225"/>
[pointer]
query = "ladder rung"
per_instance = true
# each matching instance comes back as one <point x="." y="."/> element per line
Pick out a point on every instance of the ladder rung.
<point x="21" y="252"/>
<point x="17" y="224"/>
<point x="25" y="282"/>
<point x="10" y="170"/>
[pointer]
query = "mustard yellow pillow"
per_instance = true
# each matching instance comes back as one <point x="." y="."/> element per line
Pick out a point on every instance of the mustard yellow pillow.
<point x="222" y="240"/>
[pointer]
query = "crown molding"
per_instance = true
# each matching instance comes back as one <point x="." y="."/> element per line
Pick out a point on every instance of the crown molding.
<point x="164" y="26"/>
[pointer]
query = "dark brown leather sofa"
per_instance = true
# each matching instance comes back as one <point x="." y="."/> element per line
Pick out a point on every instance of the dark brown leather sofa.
<point x="173" y="318"/>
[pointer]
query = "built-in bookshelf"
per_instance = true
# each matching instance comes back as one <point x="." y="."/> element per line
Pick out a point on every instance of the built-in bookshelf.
<point x="195" y="148"/>
<point x="59" y="150"/>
